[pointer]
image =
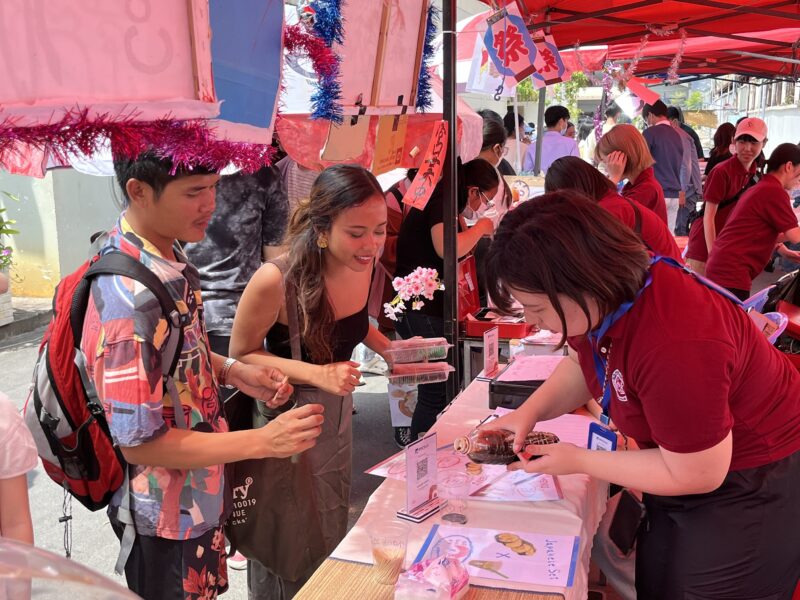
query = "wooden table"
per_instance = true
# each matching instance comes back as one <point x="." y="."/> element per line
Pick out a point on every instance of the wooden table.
<point x="353" y="581"/>
<point x="347" y="573"/>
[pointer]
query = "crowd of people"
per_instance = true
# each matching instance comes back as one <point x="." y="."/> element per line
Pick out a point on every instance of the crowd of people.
<point x="276" y="270"/>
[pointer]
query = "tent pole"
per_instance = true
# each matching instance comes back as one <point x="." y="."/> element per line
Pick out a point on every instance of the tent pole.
<point x="450" y="179"/>
<point x="537" y="166"/>
<point x="517" y="134"/>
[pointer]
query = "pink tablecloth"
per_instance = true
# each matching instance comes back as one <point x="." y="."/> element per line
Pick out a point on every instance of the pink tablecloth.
<point x="579" y="513"/>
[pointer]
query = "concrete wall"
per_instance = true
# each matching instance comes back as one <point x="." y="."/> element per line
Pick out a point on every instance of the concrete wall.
<point x="55" y="217"/>
<point x="84" y="204"/>
<point x="35" y="270"/>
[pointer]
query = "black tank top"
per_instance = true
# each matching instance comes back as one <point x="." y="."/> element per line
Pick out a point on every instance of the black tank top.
<point x="347" y="333"/>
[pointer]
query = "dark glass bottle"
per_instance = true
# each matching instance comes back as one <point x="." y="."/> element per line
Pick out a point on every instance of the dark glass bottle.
<point x="496" y="446"/>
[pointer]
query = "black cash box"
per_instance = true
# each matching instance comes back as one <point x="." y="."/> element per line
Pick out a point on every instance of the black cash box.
<point x="511" y="394"/>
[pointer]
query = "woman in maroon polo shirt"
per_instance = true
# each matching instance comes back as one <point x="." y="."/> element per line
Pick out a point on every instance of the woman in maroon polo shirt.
<point x="713" y="406"/>
<point x="726" y="182"/>
<point x="763" y="213"/>
<point x="625" y="153"/>
<point x="573" y="173"/>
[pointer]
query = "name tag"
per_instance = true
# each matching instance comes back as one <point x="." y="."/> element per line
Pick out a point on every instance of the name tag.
<point x="601" y="438"/>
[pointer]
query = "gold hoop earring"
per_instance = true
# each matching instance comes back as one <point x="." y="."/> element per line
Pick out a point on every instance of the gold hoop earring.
<point x="322" y="243"/>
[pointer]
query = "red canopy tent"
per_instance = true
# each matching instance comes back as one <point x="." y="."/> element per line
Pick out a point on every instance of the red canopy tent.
<point x="757" y="54"/>
<point x="609" y="21"/>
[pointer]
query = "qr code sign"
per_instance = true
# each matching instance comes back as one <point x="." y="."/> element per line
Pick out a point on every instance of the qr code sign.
<point x="422" y="469"/>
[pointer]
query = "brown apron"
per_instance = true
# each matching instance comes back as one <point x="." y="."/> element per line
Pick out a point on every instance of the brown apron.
<point x="289" y="514"/>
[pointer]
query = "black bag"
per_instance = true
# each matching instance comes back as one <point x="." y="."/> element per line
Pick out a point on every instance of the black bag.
<point x="787" y="288"/>
<point x="698" y="214"/>
<point x="627" y="522"/>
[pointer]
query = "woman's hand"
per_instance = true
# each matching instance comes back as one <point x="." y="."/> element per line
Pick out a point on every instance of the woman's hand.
<point x="615" y="165"/>
<point x="484" y="225"/>
<point x="519" y="422"/>
<point x="338" y="378"/>
<point x="262" y="383"/>
<point x="291" y="432"/>
<point x="553" y="459"/>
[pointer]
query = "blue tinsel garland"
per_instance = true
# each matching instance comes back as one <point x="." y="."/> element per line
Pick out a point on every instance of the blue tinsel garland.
<point x="424" y="96"/>
<point x="329" y="27"/>
<point x="328" y="21"/>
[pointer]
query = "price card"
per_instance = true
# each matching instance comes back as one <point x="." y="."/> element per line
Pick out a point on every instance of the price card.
<point x="421" y="475"/>
<point x="491" y="349"/>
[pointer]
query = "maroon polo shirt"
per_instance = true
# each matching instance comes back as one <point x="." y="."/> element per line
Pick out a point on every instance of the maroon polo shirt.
<point x="745" y="246"/>
<point x="724" y="182"/>
<point x="647" y="191"/>
<point x="682" y="378"/>
<point x="654" y="232"/>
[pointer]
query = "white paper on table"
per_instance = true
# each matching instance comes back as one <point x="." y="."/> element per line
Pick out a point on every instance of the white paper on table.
<point x="531" y="368"/>
<point x="552" y="562"/>
<point x="520" y="486"/>
<point x="542" y="337"/>
<point x="447" y="461"/>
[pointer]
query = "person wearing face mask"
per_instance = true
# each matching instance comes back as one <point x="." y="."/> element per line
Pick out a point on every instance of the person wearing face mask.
<point x="554" y="144"/>
<point x="421" y="244"/>
<point x="492" y="151"/>
<point x="306" y="311"/>
<point x="723" y="188"/>
<point x="762" y="218"/>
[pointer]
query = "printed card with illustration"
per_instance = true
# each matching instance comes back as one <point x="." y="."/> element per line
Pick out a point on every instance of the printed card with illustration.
<point x="523" y="557"/>
<point x="521" y="486"/>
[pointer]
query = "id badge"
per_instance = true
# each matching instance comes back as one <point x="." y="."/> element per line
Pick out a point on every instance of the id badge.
<point x="601" y="438"/>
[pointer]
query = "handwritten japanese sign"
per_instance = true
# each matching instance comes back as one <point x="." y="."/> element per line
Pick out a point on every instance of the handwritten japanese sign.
<point x="430" y="170"/>
<point x="509" y="44"/>
<point x="548" y="63"/>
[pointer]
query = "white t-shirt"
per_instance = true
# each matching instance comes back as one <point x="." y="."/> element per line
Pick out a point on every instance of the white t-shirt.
<point x="17" y="450"/>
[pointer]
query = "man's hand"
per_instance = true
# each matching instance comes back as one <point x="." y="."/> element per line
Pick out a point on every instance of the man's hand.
<point x="262" y="383"/>
<point x="681" y="198"/>
<point x="292" y="432"/>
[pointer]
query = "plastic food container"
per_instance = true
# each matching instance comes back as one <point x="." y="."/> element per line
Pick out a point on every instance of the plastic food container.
<point x="417" y="350"/>
<point x="419" y="373"/>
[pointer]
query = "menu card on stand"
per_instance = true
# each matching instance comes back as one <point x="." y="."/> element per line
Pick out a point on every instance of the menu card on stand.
<point x="491" y="348"/>
<point x="422" y="499"/>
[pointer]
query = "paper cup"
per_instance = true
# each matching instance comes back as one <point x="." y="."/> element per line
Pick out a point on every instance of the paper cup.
<point x="389" y="542"/>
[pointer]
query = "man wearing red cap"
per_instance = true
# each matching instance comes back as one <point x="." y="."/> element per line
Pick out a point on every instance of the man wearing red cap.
<point x="723" y="188"/>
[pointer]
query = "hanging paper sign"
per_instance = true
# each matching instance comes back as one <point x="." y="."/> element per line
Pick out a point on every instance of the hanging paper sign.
<point x="246" y="48"/>
<point x="421" y="188"/>
<point x="389" y="143"/>
<point x="509" y="44"/>
<point x="548" y="63"/>
<point x="484" y="77"/>
<point x="346" y="141"/>
<point x="640" y="89"/>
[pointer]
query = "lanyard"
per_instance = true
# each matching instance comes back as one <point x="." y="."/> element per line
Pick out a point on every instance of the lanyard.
<point x="600" y="362"/>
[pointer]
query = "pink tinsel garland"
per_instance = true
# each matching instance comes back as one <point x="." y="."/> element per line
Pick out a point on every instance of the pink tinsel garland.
<point x="187" y="143"/>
